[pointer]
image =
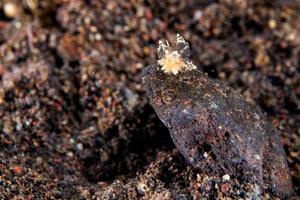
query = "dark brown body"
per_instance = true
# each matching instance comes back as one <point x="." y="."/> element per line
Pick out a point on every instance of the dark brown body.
<point x="216" y="130"/>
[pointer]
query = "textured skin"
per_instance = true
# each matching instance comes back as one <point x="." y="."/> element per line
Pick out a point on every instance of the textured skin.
<point x="216" y="130"/>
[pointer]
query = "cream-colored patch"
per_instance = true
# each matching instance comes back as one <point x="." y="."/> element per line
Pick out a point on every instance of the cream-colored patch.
<point x="172" y="62"/>
<point x="173" y="59"/>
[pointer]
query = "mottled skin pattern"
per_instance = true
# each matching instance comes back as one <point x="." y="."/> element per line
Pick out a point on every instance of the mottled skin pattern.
<point x="216" y="130"/>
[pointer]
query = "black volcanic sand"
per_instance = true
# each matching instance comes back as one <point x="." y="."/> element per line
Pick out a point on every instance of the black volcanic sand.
<point x="75" y="122"/>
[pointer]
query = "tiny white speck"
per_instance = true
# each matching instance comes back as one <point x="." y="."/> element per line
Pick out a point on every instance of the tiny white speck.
<point x="70" y="154"/>
<point x="191" y="159"/>
<point x="197" y="15"/>
<point x="198" y="177"/>
<point x="257" y="157"/>
<point x="213" y="105"/>
<point x="256" y="116"/>
<point x="79" y="147"/>
<point x="139" y="65"/>
<point x="216" y="186"/>
<point x="220" y="127"/>
<point x="205" y="154"/>
<point x="226" y="177"/>
<point x="18" y="25"/>
<point x="98" y="36"/>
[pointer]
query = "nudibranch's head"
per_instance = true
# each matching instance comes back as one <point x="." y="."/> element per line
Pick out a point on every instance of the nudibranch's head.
<point x="174" y="58"/>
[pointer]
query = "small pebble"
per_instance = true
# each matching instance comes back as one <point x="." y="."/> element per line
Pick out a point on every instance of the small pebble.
<point x="10" y="9"/>
<point x="272" y="24"/>
<point x="141" y="188"/>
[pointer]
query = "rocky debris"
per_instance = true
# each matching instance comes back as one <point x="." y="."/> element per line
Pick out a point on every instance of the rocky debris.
<point x="169" y="178"/>
<point x="216" y="130"/>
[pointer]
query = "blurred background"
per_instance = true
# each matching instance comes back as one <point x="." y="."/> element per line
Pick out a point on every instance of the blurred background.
<point x="74" y="119"/>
